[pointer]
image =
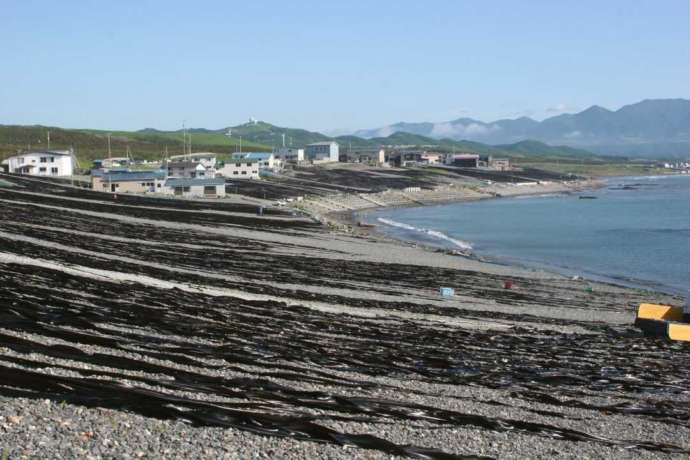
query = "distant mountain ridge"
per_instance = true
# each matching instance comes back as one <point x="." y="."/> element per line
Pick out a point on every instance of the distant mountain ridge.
<point x="650" y="127"/>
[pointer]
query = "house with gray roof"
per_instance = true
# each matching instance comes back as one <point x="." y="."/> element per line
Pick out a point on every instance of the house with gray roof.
<point x="188" y="187"/>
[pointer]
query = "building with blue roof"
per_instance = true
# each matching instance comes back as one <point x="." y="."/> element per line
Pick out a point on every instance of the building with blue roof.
<point x="126" y="181"/>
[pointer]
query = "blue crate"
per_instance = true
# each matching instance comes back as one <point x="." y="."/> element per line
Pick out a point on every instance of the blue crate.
<point x="447" y="292"/>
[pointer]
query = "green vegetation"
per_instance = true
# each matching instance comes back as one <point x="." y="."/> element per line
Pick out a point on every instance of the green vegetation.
<point x="594" y="168"/>
<point x="267" y="134"/>
<point x="93" y="144"/>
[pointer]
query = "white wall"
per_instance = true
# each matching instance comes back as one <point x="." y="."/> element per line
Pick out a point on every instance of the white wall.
<point x="44" y="164"/>
<point x="195" y="191"/>
<point x="245" y="170"/>
<point x="323" y="152"/>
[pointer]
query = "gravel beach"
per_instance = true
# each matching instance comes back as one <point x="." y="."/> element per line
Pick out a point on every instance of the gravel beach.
<point x="133" y="327"/>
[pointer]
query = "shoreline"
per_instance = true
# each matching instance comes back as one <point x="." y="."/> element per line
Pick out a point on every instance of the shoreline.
<point x="355" y="222"/>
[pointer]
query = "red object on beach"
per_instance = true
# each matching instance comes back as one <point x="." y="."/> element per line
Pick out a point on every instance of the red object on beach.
<point x="508" y="285"/>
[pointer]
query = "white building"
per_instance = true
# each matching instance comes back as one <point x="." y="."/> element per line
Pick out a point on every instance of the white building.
<point x="322" y="152"/>
<point x="208" y="159"/>
<point x="189" y="168"/>
<point x="290" y="154"/>
<point x="195" y="188"/>
<point x="240" y="168"/>
<point x="42" y="163"/>
<point x="267" y="161"/>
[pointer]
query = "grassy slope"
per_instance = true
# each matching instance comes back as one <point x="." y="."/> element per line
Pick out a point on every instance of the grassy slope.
<point x="92" y="144"/>
<point x="595" y="168"/>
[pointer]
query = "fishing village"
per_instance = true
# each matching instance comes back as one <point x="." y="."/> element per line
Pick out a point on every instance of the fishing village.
<point x="220" y="305"/>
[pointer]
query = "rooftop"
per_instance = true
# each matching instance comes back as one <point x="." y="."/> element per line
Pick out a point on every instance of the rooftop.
<point x="132" y="176"/>
<point x="252" y="155"/>
<point x="191" y="182"/>
<point x="44" y="152"/>
<point x="184" y="164"/>
<point x="322" y="143"/>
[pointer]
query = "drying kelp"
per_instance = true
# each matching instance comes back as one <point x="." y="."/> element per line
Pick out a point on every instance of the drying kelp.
<point x="231" y="330"/>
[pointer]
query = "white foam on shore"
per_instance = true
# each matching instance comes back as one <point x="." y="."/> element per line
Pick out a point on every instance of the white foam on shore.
<point x="432" y="233"/>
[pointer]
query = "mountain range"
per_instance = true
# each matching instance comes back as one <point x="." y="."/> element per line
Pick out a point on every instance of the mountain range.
<point x="653" y="127"/>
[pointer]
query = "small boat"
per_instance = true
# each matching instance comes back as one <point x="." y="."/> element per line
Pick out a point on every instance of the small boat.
<point x="365" y="224"/>
<point x="587" y="197"/>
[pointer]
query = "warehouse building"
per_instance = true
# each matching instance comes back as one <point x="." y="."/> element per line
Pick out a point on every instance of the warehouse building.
<point x="195" y="187"/>
<point x="322" y="152"/>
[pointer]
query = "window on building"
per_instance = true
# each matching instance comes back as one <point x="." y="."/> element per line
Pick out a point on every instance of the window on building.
<point x="235" y="172"/>
<point x="158" y="185"/>
<point x="52" y="159"/>
<point x="143" y="184"/>
<point x="255" y="172"/>
<point x="54" y="170"/>
<point x="238" y="164"/>
<point x="42" y="170"/>
<point x="44" y="159"/>
<point x="249" y="164"/>
<point x="244" y="173"/>
<point x="186" y="189"/>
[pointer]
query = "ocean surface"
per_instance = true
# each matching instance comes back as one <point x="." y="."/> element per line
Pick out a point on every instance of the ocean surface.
<point x="636" y="232"/>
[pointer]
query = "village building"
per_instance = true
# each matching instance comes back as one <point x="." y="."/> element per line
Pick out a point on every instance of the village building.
<point x="463" y="160"/>
<point x="500" y="164"/>
<point x="322" y="152"/>
<point x="430" y="158"/>
<point x="190" y="168"/>
<point x="125" y="181"/>
<point x="288" y="154"/>
<point x="240" y="168"/>
<point x="195" y="187"/>
<point x="207" y="159"/>
<point x="109" y="163"/>
<point x="267" y="161"/>
<point x="53" y="163"/>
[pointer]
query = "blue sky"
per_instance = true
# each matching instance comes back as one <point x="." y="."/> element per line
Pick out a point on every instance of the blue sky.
<point x="332" y="65"/>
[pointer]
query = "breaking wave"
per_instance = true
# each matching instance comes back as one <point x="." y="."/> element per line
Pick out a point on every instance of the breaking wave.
<point x="431" y="233"/>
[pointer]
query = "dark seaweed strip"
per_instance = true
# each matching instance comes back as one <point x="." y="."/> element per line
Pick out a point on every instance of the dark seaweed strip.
<point x="99" y="393"/>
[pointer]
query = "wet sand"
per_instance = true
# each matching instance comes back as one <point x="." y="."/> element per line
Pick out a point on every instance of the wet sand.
<point x="153" y="328"/>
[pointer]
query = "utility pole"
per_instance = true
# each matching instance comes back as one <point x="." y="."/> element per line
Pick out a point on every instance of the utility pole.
<point x="48" y="135"/>
<point x="110" y="165"/>
<point x="184" y="139"/>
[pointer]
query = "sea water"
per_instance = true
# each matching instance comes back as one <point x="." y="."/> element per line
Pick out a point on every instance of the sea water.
<point x="636" y="232"/>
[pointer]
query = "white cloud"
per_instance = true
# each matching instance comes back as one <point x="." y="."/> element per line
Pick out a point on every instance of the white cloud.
<point x="461" y="130"/>
<point x="560" y="108"/>
<point x="384" y="132"/>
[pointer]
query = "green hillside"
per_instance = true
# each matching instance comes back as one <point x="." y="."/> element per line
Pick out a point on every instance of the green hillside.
<point x="536" y="148"/>
<point x="268" y="134"/>
<point x="93" y="144"/>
